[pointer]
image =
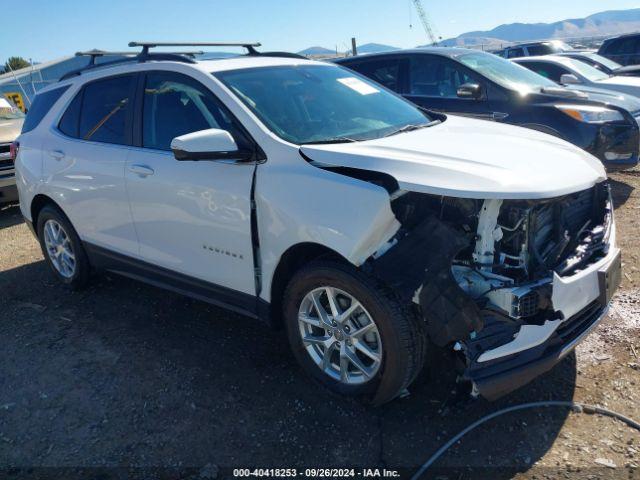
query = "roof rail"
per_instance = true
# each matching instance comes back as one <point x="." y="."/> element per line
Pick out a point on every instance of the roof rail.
<point x="128" y="57"/>
<point x="145" y="55"/>
<point x="95" y="53"/>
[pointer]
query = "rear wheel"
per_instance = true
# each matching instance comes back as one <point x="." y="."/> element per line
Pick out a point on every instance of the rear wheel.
<point x="351" y="333"/>
<point x="62" y="248"/>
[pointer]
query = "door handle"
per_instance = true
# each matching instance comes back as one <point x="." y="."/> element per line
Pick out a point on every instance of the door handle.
<point x="57" y="154"/>
<point x="142" y="170"/>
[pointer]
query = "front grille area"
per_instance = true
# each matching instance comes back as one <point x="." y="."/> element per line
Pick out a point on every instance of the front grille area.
<point x="559" y="234"/>
<point x="5" y="160"/>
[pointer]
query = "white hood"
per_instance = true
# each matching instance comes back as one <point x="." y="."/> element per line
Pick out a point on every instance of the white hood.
<point x="470" y="158"/>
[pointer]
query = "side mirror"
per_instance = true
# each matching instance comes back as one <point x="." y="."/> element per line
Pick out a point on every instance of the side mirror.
<point x="569" y="79"/>
<point x="211" y="144"/>
<point x="469" y="90"/>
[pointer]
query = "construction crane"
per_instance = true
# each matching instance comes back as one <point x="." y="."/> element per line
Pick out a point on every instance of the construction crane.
<point x="425" y="22"/>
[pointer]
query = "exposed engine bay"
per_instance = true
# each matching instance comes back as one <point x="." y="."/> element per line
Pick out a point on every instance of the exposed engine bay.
<point x="481" y="272"/>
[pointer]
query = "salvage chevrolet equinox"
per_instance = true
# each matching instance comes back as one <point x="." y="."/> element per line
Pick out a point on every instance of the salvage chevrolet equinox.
<point x="306" y="195"/>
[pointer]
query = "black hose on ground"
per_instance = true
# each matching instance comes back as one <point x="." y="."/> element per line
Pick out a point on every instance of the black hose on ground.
<point x="576" y="407"/>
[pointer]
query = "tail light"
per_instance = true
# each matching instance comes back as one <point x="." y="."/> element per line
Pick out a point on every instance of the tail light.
<point x="13" y="150"/>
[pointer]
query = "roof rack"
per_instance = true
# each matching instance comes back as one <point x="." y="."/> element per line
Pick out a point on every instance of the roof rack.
<point x="186" y="57"/>
<point x="250" y="46"/>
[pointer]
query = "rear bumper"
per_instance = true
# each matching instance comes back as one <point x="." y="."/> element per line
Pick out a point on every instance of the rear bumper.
<point x="8" y="190"/>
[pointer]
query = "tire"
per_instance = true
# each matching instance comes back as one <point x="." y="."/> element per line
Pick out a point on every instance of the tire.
<point x="73" y="274"/>
<point x="398" y="337"/>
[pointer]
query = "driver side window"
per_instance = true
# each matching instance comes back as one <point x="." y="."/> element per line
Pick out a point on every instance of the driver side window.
<point x="547" y="70"/>
<point x="434" y="76"/>
<point x="175" y="105"/>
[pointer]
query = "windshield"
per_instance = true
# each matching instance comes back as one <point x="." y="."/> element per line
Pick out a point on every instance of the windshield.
<point x="610" y="64"/>
<point x="505" y="73"/>
<point x="590" y="73"/>
<point x="561" y="46"/>
<point x="8" y="111"/>
<point x="321" y="103"/>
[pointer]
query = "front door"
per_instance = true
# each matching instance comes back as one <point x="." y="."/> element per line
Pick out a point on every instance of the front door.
<point x="192" y="217"/>
<point x="434" y="81"/>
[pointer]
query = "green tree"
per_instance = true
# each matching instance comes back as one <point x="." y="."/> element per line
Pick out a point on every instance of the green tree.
<point x="15" y="63"/>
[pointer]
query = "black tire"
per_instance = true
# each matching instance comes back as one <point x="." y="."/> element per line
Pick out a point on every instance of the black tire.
<point x="400" y="329"/>
<point x="82" y="270"/>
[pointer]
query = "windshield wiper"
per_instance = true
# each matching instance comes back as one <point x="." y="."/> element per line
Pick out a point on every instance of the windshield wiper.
<point x="331" y="140"/>
<point x="411" y="128"/>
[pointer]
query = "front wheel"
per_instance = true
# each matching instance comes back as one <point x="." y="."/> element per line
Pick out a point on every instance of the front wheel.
<point x="350" y="332"/>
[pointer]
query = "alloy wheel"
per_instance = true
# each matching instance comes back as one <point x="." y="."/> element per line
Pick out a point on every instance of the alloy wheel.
<point x="59" y="248"/>
<point x="340" y="335"/>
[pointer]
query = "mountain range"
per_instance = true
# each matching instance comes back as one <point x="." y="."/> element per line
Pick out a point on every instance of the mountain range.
<point x="366" y="48"/>
<point x="612" y="22"/>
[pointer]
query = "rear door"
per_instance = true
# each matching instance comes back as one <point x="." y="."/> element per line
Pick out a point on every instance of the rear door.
<point x="84" y="160"/>
<point x="192" y="217"/>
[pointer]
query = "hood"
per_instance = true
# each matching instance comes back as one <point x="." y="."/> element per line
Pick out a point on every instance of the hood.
<point x="628" y="70"/>
<point x="469" y="158"/>
<point x="629" y="85"/>
<point x="611" y="97"/>
<point x="10" y="129"/>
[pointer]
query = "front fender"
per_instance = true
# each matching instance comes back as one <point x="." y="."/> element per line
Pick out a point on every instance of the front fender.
<point x="349" y="216"/>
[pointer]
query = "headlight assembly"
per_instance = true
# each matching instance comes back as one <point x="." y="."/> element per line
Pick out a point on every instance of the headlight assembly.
<point x="591" y="114"/>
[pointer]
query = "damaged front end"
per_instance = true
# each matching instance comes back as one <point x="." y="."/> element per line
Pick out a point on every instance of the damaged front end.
<point x="510" y="285"/>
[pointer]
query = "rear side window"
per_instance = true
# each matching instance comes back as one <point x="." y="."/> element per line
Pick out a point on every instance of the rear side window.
<point x="535" y="50"/>
<point x="101" y="111"/>
<point x="40" y="107"/>
<point x="105" y="112"/>
<point x="623" y="46"/>
<point x="515" y="53"/>
<point x="70" y="121"/>
<point x="386" y="72"/>
<point x="547" y="70"/>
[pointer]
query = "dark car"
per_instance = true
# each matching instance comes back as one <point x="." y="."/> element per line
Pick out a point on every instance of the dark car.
<point x="624" y="49"/>
<point x="533" y="49"/>
<point x="604" y="64"/>
<point x="481" y="85"/>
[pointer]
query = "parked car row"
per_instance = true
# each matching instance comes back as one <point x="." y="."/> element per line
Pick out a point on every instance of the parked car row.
<point x="623" y="50"/>
<point x="485" y="86"/>
<point x="11" y="119"/>
<point x="307" y="195"/>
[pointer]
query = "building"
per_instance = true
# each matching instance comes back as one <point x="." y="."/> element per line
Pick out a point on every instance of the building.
<point x="20" y="86"/>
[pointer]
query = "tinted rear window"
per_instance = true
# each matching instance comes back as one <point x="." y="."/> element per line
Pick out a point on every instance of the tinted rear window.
<point x="40" y="107"/>
<point x="104" y="114"/>
<point x="71" y="119"/>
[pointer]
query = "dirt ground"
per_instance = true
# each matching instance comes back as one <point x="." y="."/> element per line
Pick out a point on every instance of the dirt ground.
<point x="123" y="380"/>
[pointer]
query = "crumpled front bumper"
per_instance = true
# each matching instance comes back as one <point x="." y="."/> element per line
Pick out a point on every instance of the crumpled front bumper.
<point x="585" y="297"/>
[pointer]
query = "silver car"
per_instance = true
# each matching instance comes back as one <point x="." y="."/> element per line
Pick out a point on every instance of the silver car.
<point x="11" y="120"/>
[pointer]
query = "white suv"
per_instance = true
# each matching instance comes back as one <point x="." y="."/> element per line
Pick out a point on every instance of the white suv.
<point x="303" y="194"/>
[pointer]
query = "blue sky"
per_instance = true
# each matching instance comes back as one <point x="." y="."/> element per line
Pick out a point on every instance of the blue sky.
<point x="48" y="29"/>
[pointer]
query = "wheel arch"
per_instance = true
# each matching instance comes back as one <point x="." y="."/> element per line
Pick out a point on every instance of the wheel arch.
<point x="292" y="260"/>
<point x="37" y="204"/>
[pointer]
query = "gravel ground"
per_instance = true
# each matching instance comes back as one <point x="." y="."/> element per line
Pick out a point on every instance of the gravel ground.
<point x="147" y="383"/>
